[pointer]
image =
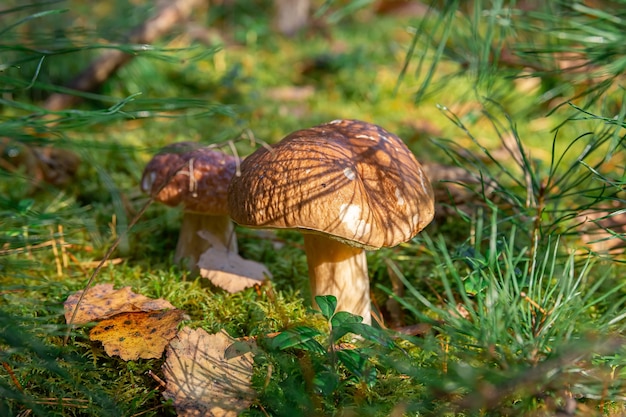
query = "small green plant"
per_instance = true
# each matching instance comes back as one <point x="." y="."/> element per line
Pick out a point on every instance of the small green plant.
<point x="330" y="366"/>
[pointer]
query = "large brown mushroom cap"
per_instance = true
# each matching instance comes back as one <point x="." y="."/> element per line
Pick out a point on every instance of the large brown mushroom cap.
<point x="202" y="191"/>
<point x="350" y="179"/>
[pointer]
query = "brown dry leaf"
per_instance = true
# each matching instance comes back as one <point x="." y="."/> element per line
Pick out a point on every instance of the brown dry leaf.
<point x="102" y="301"/>
<point x="208" y="374"/>
<point x="132" y="336"/>
<point x="227" y="269"/>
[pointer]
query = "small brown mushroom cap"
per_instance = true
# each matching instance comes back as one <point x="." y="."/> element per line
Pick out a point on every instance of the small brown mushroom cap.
<point x="202" y="191"/>
<point x="349" y="179"/>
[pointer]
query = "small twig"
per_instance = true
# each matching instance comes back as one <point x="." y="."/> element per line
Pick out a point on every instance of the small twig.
<point x="107" y="64"/>
<point x="113" y="225"/>
<point x="258" y="403"/>
<point x="377" y="315"/>
<point x="77" y="262"/>
<point x="532" y="302"/>
<point x="193" y="183"/>
<point x="65" y="402"/>
<point x="94" y="264"/>
<point x="250" y="135"/>
<point x="15" y="251"/>
<point x="61" y="240"/>
<point x="57" y="257"/>
<point x="27" y="246"/>
<point x="7" y="367"/>
<point x="156" y="378"/>
<point x="148" y="410"/>
<point x="267" y="146"/>
<point x="233" y="149"/>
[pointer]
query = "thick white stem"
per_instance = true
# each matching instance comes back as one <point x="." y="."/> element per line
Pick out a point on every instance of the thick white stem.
<point x="190" y="245"/>
<point x="340" y="270"/>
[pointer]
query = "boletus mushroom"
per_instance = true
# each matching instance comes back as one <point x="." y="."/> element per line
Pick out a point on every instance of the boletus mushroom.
<point x="348" y="186"/>
<point x="196" y="178"/>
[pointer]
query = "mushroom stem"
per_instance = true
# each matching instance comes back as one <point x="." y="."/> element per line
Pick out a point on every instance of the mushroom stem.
<point x="190" y="245"/>
<point x="340" y="270"/>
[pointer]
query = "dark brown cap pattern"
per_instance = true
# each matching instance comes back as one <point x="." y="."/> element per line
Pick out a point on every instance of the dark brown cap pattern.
<point x="349" y="179"/>
<point x="198" y="178"/>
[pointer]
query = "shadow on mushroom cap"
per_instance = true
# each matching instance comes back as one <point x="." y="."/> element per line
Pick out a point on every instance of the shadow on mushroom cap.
<point x="349" y="179"/>
<point x="168" y="180"/>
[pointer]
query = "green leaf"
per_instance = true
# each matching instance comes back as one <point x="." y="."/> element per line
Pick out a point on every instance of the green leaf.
<point x="366" y="331"/>
<point x="343" y="317"/>
<point x="358" y="364"/>
<point x="352" y="360"/>
<point x="326" y="382"/>
<point x="300" y="337"/>
<point x="327" y="305"/>
<point x="24" y="206"/>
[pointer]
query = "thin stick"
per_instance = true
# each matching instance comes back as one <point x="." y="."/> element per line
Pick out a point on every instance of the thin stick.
<point x="64" y="257"/>
<point x="233" y="149"/>
<point x="532" y="302"/>
<point x="156" y="378"/>
<point x="107" y="64"/>
<point x="93" y="264"/>
<point x="77" y="262"/>
<point x="28" y="246"/>
<point x="148" y="410"/>
<point x="65" y="402"/>
<point x="15" y="251"/>
<point x="57" y="257"/>
<point x="7" y="367"/>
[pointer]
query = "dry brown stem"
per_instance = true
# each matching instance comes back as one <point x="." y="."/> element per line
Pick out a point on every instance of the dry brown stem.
<point x="112" y="60"/>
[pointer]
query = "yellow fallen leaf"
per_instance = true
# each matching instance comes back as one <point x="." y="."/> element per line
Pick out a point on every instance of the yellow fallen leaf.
<point x="208" y="374"/>
<point x="139" y="335"/>
<point x="102" y="301"/>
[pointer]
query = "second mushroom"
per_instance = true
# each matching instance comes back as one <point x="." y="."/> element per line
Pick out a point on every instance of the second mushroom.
<point x="349" y="186"/>
<point x="197" y="178"/>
